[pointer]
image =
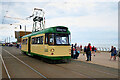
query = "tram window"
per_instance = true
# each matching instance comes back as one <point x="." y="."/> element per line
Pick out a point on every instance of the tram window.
<point x="38" y="40"/>
<point x="62" y="39"/>
<point x="41" y="39"/>
<point x="24" y="41"/>
<point x="33" y="40"/>
<point x="51" y="39"/>
<point x="46" y="38"/>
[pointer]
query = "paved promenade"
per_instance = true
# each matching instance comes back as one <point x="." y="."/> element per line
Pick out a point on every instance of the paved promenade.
<point x="102" y="58"/>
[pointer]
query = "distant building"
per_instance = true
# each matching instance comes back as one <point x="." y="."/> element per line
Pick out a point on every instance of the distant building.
<point x="19" y="34"/>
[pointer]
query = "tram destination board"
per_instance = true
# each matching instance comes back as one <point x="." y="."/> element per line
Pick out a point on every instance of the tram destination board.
<point x="61" y="29"/>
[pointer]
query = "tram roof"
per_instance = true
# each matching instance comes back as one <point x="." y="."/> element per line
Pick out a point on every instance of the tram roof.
<point x="48" y="30"/>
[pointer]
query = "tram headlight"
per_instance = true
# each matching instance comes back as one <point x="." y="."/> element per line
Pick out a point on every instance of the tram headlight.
<point x="52" y="50"/>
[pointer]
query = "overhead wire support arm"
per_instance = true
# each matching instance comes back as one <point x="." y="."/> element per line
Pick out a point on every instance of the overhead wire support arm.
<point x="38" y="19"/>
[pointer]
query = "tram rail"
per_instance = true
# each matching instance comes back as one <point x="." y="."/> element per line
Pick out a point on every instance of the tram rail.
<point x="22" y="63"/>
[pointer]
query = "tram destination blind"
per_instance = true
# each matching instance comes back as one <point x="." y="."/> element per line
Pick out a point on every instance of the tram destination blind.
<point x="59" y="29"/>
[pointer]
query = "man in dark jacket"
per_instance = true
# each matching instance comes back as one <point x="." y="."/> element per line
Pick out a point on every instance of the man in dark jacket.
<point x="88" y="52"/>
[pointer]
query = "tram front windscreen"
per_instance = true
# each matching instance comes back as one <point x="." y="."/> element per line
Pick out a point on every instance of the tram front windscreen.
<point x="59" y="39"/>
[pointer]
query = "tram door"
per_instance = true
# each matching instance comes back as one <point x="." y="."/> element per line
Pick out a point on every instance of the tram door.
<point x="29" y="40"/>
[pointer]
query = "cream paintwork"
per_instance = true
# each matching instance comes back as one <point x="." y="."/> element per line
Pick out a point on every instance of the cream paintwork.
<point x="38" y="48"/>
<point x="59" y="51"/>
<point x="24" y="47"/>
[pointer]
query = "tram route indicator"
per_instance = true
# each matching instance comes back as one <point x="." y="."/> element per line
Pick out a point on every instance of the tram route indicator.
<point x="61" y="29"/>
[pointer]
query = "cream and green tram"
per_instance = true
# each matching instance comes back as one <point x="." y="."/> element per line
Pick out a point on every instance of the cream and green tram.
<point x="52" y="43"/>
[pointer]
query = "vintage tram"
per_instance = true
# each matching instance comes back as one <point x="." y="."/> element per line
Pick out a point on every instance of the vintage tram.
<point x="51" y="43"/>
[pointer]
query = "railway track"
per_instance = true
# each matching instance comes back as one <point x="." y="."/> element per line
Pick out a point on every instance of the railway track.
<point x="8" y="74"/>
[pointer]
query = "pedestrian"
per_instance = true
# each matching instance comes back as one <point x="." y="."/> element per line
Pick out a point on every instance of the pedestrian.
<point x="17" y="45"/>
<point x="115" y="53"/>
<point x="81" y="47"/>
<point x="93" y="50"/>
<point x="72" y="51"/>
<point x="20" y="46"/>
<point x="88" y="52"/>
<point x="75" y="45"/>
<point x="84" y="50"/>
<point x="112" y="52"/>
<point x="75" y="51"/>
<point x="77" y="54"/>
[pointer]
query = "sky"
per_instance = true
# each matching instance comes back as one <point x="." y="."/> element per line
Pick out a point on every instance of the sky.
<point x="94" y="21"/>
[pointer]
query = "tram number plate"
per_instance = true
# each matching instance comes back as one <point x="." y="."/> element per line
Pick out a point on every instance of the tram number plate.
<point x="60" y="29"/>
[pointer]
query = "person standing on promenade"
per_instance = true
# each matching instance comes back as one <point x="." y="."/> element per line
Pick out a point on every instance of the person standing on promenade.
<point x="77" y="54"/>
<point x="75" y="46"/>
<point x="20" y="46"/>
<point x="84" y="50"/>
<point x="112" y="52"/>
<point x="93" y="50"/>
<point x="115" y="53"/>
<point x="72" y="51"/>
<point x="88" y="52"/>
<point x="81" y="47"/>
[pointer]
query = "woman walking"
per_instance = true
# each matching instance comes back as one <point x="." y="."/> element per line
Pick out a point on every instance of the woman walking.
<point x="93" y="50"/>
<point x="112" y="52"/>
<point x="115" y="53"/>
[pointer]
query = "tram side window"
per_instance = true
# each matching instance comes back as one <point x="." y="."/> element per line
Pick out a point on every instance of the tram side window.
<point x="33" y="40"/>
<point x="46" y="38"/>
<point x="51" y="39"/>
<point x="40" y="40"/>
<point x="24" y="41"/>
<point x="37" y="40"/>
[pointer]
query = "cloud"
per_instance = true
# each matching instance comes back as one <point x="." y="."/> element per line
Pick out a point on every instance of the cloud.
<point x="105" y="22"/>
<point x="60" y="0"/>
<point x="81" y="17"/>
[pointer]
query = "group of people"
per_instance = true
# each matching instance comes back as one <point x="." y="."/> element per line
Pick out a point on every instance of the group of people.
<point x="87" y="49"/>
<point x="94" y="49"/>
<point x="113" y="53"/>
<point x="90" y="50"/>
<point x="74" y="52"/>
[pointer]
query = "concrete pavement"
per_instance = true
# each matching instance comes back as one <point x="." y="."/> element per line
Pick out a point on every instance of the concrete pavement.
<point x="102" y="58"/>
